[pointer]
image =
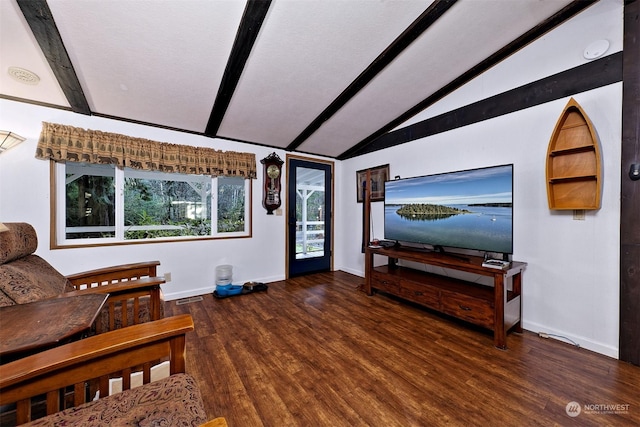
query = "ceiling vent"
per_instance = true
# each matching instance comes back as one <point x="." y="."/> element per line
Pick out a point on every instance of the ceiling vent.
<point x="24" y="76"/>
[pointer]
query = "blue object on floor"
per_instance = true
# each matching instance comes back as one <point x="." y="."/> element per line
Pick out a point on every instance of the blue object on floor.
<point x="233" y="290"/>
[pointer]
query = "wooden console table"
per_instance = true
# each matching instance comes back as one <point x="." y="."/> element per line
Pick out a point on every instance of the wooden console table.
<point x="36" y="326"/>
<point x="497" y="307"/>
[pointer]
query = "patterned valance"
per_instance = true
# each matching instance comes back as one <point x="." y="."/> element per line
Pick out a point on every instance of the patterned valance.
<point x="63" y="143"/>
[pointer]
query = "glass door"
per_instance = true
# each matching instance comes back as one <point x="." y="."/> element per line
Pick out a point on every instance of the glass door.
<point x="309" y="216"/>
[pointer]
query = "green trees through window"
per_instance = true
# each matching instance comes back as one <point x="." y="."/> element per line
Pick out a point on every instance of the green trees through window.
<point x="103" y="202"/>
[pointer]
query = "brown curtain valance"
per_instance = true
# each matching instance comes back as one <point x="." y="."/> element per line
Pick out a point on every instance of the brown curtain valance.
<point x="67" y="143"/>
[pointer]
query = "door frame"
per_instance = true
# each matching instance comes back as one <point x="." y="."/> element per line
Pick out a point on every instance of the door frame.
<point x="290" y="157"/>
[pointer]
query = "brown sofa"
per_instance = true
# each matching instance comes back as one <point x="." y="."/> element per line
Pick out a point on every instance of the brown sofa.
<point x="25" y="277"/>
<point x="70" y="375"/>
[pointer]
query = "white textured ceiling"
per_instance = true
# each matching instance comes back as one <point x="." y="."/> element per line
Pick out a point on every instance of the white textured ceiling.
<point x="307" y="55"/>
<point x="163" y="62"/>
<point x="157" y="62"/>
<point x="18" y="48"/>
<point x="432" y="61"/>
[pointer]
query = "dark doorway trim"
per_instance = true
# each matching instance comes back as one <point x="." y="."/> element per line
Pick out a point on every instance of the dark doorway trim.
<point x="292" y="270"/>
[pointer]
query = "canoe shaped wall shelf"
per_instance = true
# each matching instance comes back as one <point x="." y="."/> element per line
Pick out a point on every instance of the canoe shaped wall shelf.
<point x="573" y="162"/>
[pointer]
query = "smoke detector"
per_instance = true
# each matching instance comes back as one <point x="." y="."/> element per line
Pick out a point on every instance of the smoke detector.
<point x="596" y="49"/>
<point x="23" y="76"/>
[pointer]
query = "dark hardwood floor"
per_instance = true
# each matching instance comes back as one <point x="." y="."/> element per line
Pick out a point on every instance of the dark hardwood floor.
<point x="316" y="351"/>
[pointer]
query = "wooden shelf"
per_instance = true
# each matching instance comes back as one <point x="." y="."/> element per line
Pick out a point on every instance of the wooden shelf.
<point x="558" y="179"/>
<point x="573" y="162"/>
<point x="571" y="150"/>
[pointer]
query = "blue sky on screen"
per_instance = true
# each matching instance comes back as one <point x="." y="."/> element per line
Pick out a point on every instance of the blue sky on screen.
<point x="489" y="185"/>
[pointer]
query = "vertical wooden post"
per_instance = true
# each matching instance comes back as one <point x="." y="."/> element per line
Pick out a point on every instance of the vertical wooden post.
<point x="499" y="297"/>
<point x="367" y="209"/>
<point x="178" y="354"/>
<point x="630" y="190"/>
<point x="366" y="232"/>
<point x="516" y="287"/>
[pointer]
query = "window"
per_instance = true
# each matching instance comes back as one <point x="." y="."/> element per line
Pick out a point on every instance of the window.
<point x="104" y="204"/>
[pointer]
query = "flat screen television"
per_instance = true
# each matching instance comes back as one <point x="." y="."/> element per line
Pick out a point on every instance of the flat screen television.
<point x="469" y="209"/>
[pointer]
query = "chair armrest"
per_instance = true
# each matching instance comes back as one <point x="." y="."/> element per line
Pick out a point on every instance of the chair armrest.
<point x="118" y="287"/>
<point x="115" y="273"/>
<point x="121" y="295"/>
<point x="94" y="358"/>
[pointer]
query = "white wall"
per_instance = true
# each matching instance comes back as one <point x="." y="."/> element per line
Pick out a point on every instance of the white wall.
<point x="571" y="285"/>
<point x="25" y="196"/>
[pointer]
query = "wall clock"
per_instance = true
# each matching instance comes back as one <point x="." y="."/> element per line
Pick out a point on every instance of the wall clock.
<point x="272" y="165"/>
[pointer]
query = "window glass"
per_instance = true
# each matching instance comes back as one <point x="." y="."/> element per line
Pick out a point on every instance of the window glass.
<point x="171" y="205"/>
<point x="310" y="219"/>
<point x="102" y="204"/>
<point x="90" y="201"/>
<point x="231" y="204"/>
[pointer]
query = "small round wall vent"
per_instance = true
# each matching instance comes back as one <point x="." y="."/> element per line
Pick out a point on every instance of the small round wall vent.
<point x="24" y="76"/>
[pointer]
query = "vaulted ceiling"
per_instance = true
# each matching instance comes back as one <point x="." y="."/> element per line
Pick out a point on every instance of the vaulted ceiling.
<point x="325" y="77"/>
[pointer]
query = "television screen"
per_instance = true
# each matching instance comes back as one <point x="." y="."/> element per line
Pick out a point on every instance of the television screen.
<point x="470" y="209"/>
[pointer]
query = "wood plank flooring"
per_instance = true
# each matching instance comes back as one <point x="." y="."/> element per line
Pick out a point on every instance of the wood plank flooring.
<point x="316" y="351"/>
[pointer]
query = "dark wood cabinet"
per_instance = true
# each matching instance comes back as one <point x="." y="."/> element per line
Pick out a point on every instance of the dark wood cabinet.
<point x="497" y="307"/>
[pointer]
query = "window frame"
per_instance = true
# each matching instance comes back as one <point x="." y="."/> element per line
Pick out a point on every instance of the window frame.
<point x="58" y="211"/>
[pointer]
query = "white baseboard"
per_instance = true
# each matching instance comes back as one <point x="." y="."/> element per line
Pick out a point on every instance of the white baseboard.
<point x="586" y="343"/>
<point x="188" y="293"/>
<point x="170" y="296"/>
<point x="353" y="271"/>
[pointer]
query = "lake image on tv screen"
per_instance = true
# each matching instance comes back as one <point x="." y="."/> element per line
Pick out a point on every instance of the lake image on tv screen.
<point x="467" y="209"/>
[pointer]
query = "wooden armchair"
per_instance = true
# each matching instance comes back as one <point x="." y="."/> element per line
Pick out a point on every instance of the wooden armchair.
<point x="134" y="293"/>
<point x="64" y="375"/>
<point x="134" y="290"/>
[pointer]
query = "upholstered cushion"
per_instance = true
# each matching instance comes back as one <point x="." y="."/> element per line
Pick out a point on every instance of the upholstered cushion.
<point x="30" y="279"/>
<point x="4" y="299"/>
<point x="18" y="241"/>
<point x="173" y="401"/>
<point x="25" y="277"/>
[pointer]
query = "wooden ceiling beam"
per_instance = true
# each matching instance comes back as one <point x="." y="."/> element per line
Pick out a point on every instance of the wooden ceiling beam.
<point x="545" y="26"/>
<point x="43" y="27"/>
<point x="254" y="15"/>
<point x="417" y="27"/>
<point x="592" y="75"/>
